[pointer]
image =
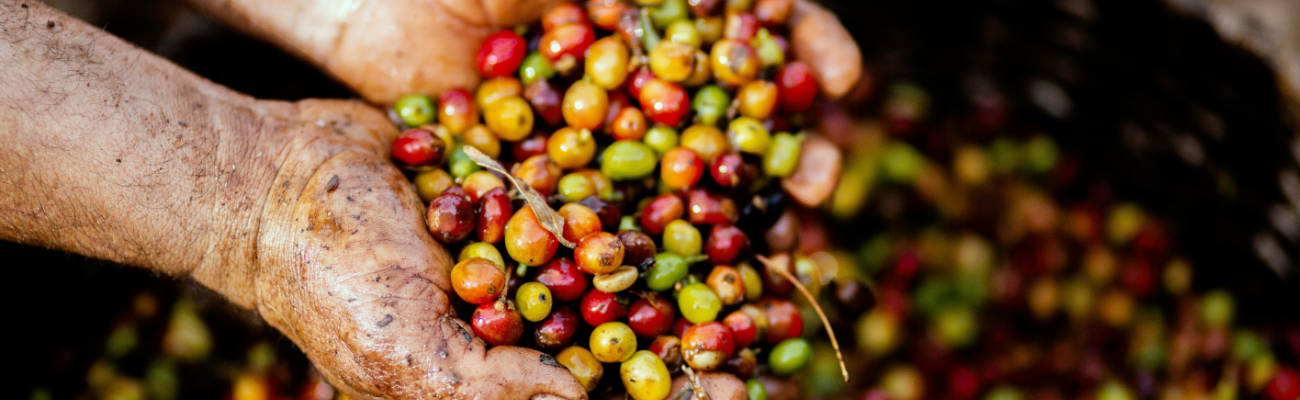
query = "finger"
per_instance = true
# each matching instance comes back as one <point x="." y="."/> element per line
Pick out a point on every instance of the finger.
<point x="719" y="386"/>
<point x="820" y="41"/>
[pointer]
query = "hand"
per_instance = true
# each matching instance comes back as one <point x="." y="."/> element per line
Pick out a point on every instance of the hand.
<point x="347" y="270"/>
<point x="345" y="267"/>
<point x="384" y="49"/>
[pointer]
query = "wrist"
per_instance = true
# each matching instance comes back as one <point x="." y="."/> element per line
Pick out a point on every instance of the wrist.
<point x="250" y="141"/>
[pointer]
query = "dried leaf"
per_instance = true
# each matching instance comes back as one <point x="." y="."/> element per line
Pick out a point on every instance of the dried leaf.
<point x="784" y="271"/>
<point x="549" y="219"/>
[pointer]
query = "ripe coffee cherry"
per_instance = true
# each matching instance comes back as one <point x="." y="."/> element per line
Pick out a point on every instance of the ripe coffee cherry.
<point x="743" y="329"/>
<point x="494" y="210"/>
<point x="659" y="212"/>
<point x="783" y="319"/>
<point x="651" y="316"/>
<point x="598" y="307"/>
<point x="724" y="243"/>
<point x="707" y="345"/>
<point x="562" y="276"/>
<point x="796" y="87"/>
<point x="557" y="330"/>
<point x="497" y="323"/>
<point x="501" y="53"/>
<point x="418" y="147"/>
<point x="451" y="216"/>
<point x="664" y="102"/>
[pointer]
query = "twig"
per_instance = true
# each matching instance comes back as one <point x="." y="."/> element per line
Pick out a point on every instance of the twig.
<point x="816" y="307"/>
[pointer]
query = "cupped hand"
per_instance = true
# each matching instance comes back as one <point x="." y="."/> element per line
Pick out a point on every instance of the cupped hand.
<point x="345" y="267"/>
<point x="384" y="49"/>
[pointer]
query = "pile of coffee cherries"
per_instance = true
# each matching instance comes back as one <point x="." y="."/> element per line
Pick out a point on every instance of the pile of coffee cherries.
<point x="1002" y="270"/>
<point x="649" y="147"/>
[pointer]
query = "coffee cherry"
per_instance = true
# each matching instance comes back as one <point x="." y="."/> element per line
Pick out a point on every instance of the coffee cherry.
<point x="680" y="168"/>
<point x="477" y="280"/>
<point x="501" y="53"/>
<point x="733" y="62"/>
<point x="660" y="211"/>
<point x="478" y="183"/>
<point x="682" y="238"/>
<point x="599" y="253"/>
<point x="527" y="241"/>
<point x="645" y="376"/>
<point x="557" y="329"/>
<point x="497" y="323"/>
<point x="796" y="87"/>
<point x="415" y="110"/>
<point x="481" y="138"/>
<point x="539" y="172"/>
<point x="579" y="221"/>
<point x="495" y="89"/>
<point x="789" y="356"/>
<point x="725" y="242"/>
<point x="494" y="211"/>
<point x="563" y="278"/>
<point x="583" y="365"/>
<point x="743" y="329"/>
<point x="725" y="281"/>
<point x="612" y="342"/>
<point x="783" y="319"/>
<point x="418" y="147"/>
<point x="638" y="247"/>
<point x="664" y="102"/>
<point x="699" y="304"/>
<point x="456" y="110"/>
<point x="481" y="250"/>
<point x="585" y="105"/>
<point x="563" y="14"/>
<point x="627" y="160"/>
<point x="534" y="301"/>
<point x="709" y="209"/>
<point x="628" y="124"/>
<point x="707" y="345"/>
<point x="510" y="118"/>
<point x="547" y="101"/>
<point x="566" y="44"/>
<point x="451" y="216"/>
<point x="598" y="307"/>
<point x="650" y="316"/>
<point x="705" y="140"/>
<point x="607" y="62"/>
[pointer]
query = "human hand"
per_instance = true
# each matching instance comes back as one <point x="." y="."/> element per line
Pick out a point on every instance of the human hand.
<point x="388" y="48"/>
<point x="345" y="267"/>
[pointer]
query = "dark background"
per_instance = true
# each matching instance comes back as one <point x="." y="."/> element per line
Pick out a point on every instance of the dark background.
<point x="1138" y="83"/>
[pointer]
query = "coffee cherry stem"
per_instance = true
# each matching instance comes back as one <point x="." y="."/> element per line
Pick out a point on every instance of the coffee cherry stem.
<point x="502" y="297"/>
<point x="784" y="271"/>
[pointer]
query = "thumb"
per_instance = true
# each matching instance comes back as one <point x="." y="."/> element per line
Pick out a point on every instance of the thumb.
<point x="820" y="41"/>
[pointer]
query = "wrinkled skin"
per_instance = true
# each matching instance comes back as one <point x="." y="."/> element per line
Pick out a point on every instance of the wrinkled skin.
<point x="289" y="209"/>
